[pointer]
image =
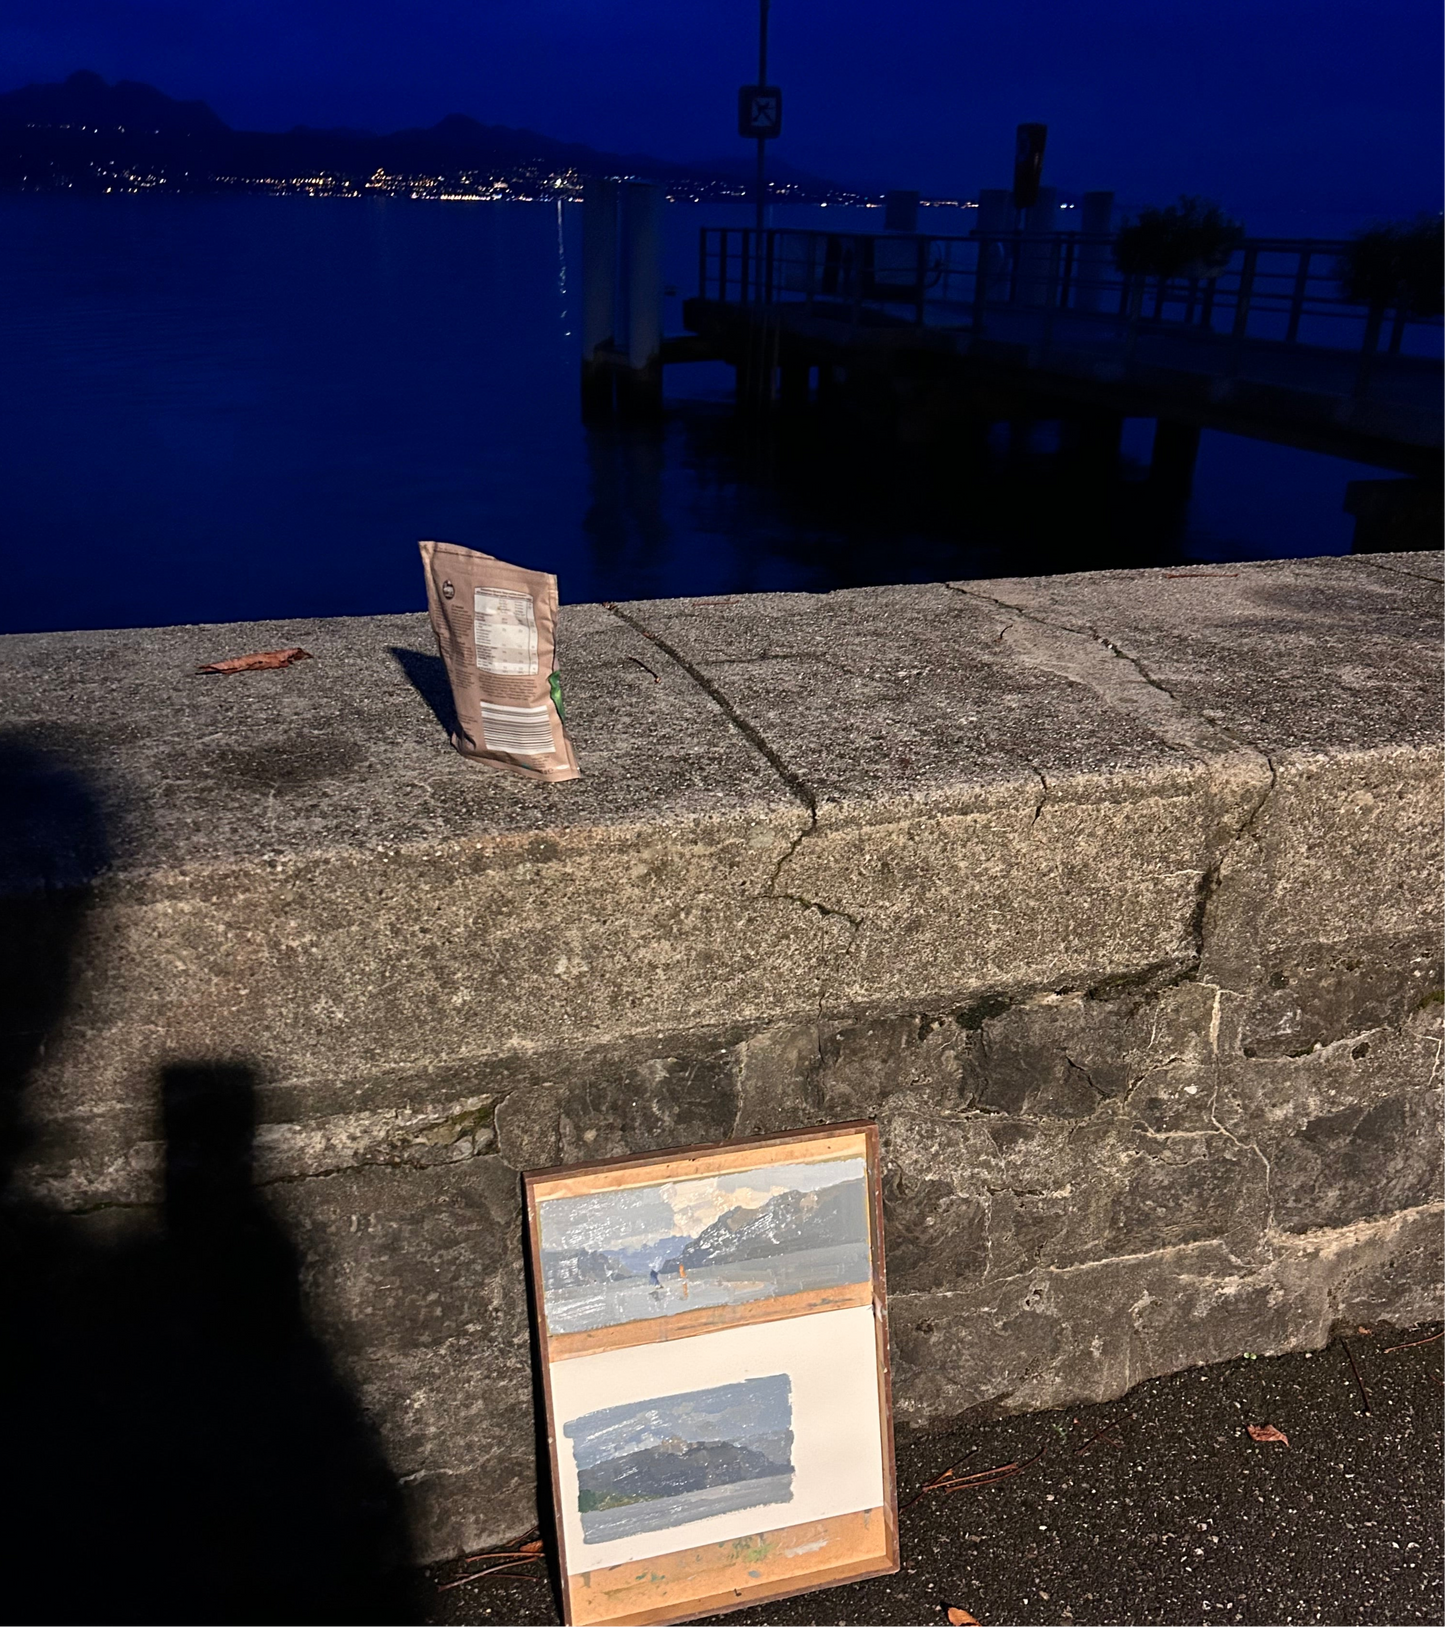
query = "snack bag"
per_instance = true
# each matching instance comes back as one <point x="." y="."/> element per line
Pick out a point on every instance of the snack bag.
<point x="496" y="627"/>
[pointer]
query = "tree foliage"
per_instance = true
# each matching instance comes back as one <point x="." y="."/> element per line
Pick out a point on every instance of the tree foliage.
<point x="1190" y="238"/>
<point x="1397" y="265"/>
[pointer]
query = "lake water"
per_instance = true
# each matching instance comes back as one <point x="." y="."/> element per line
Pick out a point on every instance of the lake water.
<point x="214" y="409"/>
<point x="599" y="1305"/>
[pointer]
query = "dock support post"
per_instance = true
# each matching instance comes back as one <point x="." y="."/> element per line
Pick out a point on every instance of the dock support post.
<point x="1171" y="467"/>
<point x="756" y="365"/>
<point x="1040" y="220"/>
<point x="1095" y="256"/>
<point x="996" y="227"/>
<point x="793" y="382"/>
<point x="639" y="384"/>
<point x="755" y="375"/>
<point x="599" y="295"/>
<point x="1091" y="442"/>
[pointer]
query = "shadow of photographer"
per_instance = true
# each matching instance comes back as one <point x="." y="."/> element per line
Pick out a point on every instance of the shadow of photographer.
<point x="177" y="1444"/>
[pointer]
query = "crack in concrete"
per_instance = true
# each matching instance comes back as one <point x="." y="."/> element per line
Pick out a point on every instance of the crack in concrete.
<point x="1193" y="735"/>
<point x="1354" y="1231"/>
<point x="330" y="1172"/>
<point x="1088" y="1077"/>
<point x="1197" y="728"/>
<point x="794" y="781"/>
<point x="1043" y="795"/>
<point x="855" y="922"/>
<point x="1244" y="1146"/>
<point x="750" y="732"/>
<point x="1210" y="879"/>
<point x="1392" y="570"/>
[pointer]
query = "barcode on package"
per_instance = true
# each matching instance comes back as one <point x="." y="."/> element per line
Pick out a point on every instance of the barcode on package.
<point x="524" y="730"/>
<point x="504" y="630"/>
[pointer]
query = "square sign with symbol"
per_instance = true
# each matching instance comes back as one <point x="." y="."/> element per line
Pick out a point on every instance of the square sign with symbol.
<point x="760" y="112"/>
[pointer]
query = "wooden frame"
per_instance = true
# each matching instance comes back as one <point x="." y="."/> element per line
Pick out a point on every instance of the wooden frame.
<point x="632" y="1347"/>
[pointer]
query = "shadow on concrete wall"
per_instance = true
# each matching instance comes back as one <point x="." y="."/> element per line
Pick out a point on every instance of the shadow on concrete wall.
<point x="175" y="1443"/>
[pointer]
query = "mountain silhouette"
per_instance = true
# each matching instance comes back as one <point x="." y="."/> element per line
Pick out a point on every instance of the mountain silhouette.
<point x="582" y="1268"/>
<point x="86" y="135"/>
<point x="86" y="99"/>
<point x="785" y="1224"/>
<point x="674" y="1468"/>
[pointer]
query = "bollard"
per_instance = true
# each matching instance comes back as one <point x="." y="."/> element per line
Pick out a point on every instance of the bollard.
<point x="1095" y="252"/>
<point x="900" y="211"/>
<point x="599" y="295"/>
<point x="1040" y="220"/>
<point x="639" y="382"/>
<point x="996" y="222"/>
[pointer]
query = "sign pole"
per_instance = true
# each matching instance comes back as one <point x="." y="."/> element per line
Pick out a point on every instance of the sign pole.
<point x="762" y="141"/>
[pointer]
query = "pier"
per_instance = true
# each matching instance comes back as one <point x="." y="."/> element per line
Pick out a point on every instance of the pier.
<point x="953" y="333"/>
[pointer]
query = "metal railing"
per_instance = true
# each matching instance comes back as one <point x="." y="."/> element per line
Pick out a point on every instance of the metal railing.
<point x="1281" y="289"/>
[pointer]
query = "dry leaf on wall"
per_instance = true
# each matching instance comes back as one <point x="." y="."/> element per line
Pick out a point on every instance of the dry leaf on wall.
<point x="264" y="661"/>
<point x="1267" y="1432"/>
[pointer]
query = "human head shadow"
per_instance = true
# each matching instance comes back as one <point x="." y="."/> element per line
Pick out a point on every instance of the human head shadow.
<point x="176" y="1442"/>
<point x="427" y="674"/>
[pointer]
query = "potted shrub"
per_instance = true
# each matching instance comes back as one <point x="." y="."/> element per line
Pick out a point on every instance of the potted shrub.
<point x="1394" y="265"/>
<point x="1192" y="238"/>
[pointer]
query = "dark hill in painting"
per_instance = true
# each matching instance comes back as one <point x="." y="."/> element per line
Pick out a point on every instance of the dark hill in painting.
<point x="582" y="1268"/>
<point x="674" y="1468"/>
<point x="788" y="1223"/>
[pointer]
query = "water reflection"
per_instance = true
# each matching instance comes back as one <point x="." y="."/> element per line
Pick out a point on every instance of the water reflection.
<point x="223" y="408"/>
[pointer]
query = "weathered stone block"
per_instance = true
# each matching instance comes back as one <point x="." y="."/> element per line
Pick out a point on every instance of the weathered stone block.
<point x="1115" y="899"/>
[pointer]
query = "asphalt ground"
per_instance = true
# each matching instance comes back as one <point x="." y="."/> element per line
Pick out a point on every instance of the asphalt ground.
<point x="1158" y="1507"/>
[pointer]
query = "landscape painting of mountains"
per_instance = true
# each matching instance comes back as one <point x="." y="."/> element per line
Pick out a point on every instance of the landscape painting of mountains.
<point x="651" y="1465"/>
<point x="713" y="1338"/>
<point x="656" y="1251"/>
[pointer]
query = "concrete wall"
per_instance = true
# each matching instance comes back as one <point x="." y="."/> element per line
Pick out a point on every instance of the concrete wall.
<point x="1114" y="897"/>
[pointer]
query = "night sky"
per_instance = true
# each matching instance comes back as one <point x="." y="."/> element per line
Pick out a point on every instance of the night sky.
<point x="1317" y="105"/>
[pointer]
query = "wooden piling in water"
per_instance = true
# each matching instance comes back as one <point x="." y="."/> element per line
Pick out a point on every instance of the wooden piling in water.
<point x="599" y="295"/>
<point x="639" y="382"/>
<point x="1171" y="465"/>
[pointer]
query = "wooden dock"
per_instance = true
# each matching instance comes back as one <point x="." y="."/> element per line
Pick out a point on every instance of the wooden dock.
<point x="1026" y="328"/>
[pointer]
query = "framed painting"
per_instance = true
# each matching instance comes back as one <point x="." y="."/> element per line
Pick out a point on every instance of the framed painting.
<point x="713" y="1334"/>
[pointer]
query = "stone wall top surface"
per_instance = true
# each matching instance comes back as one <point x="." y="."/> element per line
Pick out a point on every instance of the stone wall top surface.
<point x="780" y="709"/>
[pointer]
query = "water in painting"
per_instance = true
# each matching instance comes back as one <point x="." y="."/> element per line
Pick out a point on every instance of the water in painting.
<point x="653" y="1251"/>
<point x="650" y="1465"/>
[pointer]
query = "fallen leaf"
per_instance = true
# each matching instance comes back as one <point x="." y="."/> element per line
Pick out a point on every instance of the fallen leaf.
<point x="265" y="661"/>
<point x="961" y="1618"/>
<point x="1267" y="1432"/>
<point x="530" y="1548"/>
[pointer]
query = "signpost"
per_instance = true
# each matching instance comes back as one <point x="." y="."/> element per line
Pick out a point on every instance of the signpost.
<point x="760" y="111"/>
<point x="1028" y="163"/>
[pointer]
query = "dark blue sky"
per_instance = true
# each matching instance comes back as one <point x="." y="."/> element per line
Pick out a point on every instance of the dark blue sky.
<point x="1270" y="105"/>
